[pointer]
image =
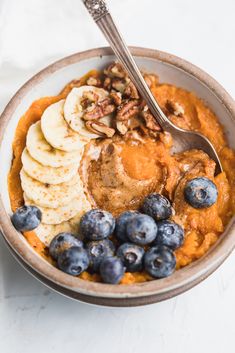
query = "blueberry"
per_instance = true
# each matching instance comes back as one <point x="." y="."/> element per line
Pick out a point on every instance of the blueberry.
<point x="159" y="261"/>
<point x="121" y="221"/>
<point x="170" y="234"/>
<point x="97" y="224"/>
<point x="132" y="256"/>
<point x="73" y="261"/>
<point x="200" y="192"/>
<point x="157" y="206"/>
<point x="97" y="250"/>
<point x="61" y="242"/>
<point x="141" y="229"/>
<point x="112" y="270"/>
<point x="26" y="218"/>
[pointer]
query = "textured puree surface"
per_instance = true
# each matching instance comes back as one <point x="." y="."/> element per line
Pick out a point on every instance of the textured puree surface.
<point x="133" y="168"/>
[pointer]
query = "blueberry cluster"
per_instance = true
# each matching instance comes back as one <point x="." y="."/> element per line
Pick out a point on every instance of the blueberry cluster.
<point x="142" y="240"/>
<point x="135" y="241"/>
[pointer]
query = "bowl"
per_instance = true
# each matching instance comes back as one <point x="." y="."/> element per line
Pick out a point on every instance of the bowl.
<point x="50" y="81"/>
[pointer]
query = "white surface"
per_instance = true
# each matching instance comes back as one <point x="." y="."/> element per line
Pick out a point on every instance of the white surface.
<point x="33" y="33"/>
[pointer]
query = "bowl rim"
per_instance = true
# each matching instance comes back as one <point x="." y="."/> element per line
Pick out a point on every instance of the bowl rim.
<point x="181" y="279"/>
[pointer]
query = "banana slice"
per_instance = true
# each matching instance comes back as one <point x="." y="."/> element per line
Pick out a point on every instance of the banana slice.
<point x="46" y="232"/>
<point x="47" y="155"/>
<point x="47" y="175"/>
<point x="56" y="130"/>
<point x="77" y="207"/>
<point x="73" y="110"/>
<point x="52" y="196"/>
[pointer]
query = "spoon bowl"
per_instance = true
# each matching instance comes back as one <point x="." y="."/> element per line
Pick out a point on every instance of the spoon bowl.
<point x="187" y="140"/>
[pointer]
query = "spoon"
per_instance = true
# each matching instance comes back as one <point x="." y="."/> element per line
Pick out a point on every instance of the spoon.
<point x="183" y="139"/>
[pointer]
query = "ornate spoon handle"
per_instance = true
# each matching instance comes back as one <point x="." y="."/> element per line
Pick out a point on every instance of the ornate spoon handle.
<point x="100" y="13"/>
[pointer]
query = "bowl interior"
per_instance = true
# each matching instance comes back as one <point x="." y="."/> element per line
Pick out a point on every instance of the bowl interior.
<point x="53" y="80"/>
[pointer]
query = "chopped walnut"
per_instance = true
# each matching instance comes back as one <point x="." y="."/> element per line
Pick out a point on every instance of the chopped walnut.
<point x="107" y="83"/>
<point x="122" y="127"/>
<point x="116" y="97"/>
<point x="174" y="108"/>
<point x="134" y="122"/>
<point x="143" y="130"/>
<point x="99" y="128"/>
<point x="119" y="84"/>
<point x="115" y="70"/>
<point x="88" y="99"/>
<point x="150" y="121"/>
<point x="91" y="96"/>
<point x="93" y="81"/>
<point x="131" y="91"/>
<point x="127" y="109"/>
<point x="101" y="109"/>
<point x="151" y="80"/>
<point x="153" y="134"/>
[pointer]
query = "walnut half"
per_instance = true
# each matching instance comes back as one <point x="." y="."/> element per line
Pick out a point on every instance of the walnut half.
<point x="101" y="109"/>
<point x="122" y="127"/>
<point x="175" y="108"/>
<point x="99" y="128"/>
<point x="127" y="110"/>
<point x="115" y="70"/>
<point x="150" y="121"/>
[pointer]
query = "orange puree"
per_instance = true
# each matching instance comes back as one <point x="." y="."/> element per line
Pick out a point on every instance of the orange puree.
<point x="139" y="161"/>
<point x="145" y="167"/>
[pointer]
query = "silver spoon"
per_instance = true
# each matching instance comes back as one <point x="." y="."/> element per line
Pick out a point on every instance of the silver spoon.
<point x="183" y="139"/>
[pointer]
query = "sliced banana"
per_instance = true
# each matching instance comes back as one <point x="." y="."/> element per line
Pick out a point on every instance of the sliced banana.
<point x="47" y="195"/>
<point x="47" y="175"/>
<point x="57" y="132"/>
<point x="73" y="110"/>
<point x="44" y="153"/>
<point x="77" y="207"/>
<point x="46" y="232"/>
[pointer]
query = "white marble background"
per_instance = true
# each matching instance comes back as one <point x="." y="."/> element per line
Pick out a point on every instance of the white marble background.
<point x="34" y="33"/>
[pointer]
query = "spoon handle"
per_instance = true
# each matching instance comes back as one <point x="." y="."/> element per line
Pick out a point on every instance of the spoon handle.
<point x="100" y="14"/>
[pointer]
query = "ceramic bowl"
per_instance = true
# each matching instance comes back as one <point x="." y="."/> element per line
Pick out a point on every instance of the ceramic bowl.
<point x="50" y="81"/>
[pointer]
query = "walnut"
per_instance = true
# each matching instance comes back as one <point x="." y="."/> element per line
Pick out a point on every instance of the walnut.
<point x="175" y="108"/>
<point x="122" y="127"/>
<point x="150" y="121"/>
<point x="143" y="130"/>
<point x="101" y="109"/>
<point x="99" y="128"/>
<point x="91" y="96"/>
<point x="107" y="83"/>
<point x="119" y="84"/>
<point x="127" y="109"/>
<point x="115" y="70"/>
<point x="134" y="122"/>
<point x="116" y="97"/>
<point x="153" y="134"/>
<point x="151" y="80"/>
<point x="88" y="99"/>
<point x="93" y="81"/>
<point x="131" y="91"/>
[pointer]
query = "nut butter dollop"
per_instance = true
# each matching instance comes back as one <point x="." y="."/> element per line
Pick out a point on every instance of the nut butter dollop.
<point x="126" y="170"/>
